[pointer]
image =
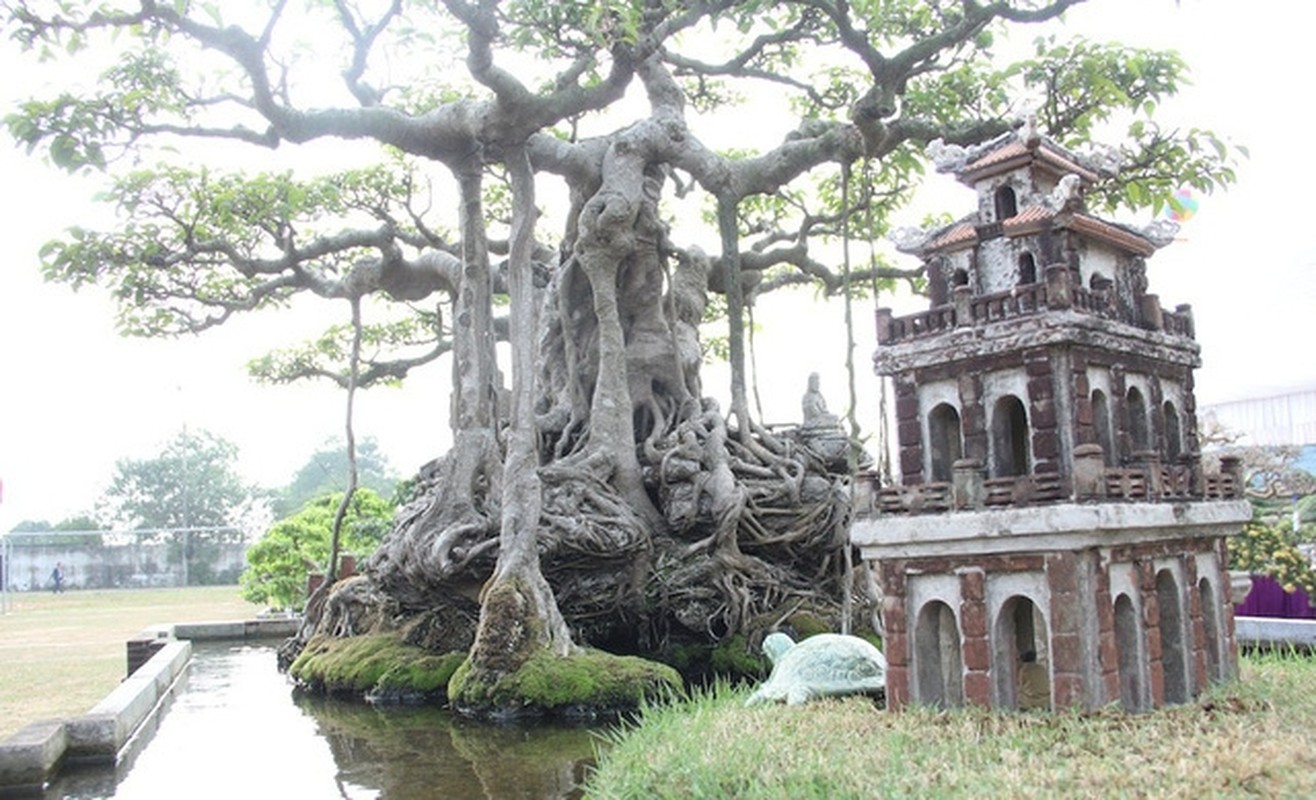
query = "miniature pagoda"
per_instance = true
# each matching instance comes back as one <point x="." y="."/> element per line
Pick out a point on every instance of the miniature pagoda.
<point x="1053" y="541"/>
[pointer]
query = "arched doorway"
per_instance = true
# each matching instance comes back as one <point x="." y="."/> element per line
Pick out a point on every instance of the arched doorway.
<point x="1128" y="642"/>
<point x="1174" y="644"/>
<point x="1009" y="438"/>
<point x="1027" y="269"/>
<point x="1007" y="204"/>
<point x="1139" y="439"/>
<point x="1021" y="660"/>
<point x="1101" y="425"/>
<point x="944" y="441"/>
<point x="938" y="666"/>
<point x="1173" y="433"/>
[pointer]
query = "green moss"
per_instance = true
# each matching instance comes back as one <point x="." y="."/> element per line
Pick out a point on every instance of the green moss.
<point x="734" y="659"/>
<point x="872" y="638"/>
<point x="457" y="684"/>
<point x="591" y="678"/>
<point x="427" y="674"/>
<point x="805" y="625"/>
<point x="510" y="632"/>
<point x="360" y="664"/>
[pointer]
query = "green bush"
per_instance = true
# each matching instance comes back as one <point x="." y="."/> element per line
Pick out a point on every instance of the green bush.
<point x="278" y="564"/>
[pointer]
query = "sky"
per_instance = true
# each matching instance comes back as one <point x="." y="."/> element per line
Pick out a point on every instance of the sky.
<point x="75" y="396"/>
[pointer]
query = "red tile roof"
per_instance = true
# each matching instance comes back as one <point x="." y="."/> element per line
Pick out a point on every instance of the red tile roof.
<point x="1115" y="234"/>
<point x="962" y="233"/>
<point x="1015" y="224"/>
<point x="1034" y="218"/>
<point x="1014" y="153"/>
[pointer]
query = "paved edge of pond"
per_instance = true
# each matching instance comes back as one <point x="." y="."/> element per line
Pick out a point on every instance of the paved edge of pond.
<point x="157" y="657"/>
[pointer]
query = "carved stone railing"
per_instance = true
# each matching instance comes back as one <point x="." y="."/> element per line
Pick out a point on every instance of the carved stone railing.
<point x="1057" y="292"/>
<point x="924" y="323"/>
<point x="1097" y="302"/>
<point x="1021" y="301"/>
<point x="971" y="490"/>
<point x="1179" y="321"/>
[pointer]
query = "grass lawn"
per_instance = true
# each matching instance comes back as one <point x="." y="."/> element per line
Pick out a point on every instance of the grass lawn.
<point x="61" y="653"/>
<point x="1248" y="738"/>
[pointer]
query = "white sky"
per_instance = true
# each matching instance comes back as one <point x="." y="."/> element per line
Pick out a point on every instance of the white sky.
<point x="74" y="396"/>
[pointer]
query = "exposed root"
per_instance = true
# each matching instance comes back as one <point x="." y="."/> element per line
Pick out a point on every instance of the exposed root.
<point x="752" y="534"/>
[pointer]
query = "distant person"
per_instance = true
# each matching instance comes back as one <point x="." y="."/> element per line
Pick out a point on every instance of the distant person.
<point x="1034" y="683"/>
<point x="57" y="578"/>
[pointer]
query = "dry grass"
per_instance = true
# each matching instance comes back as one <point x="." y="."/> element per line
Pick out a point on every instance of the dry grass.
<point x="61" y="653"/>
<point x="1249" y="738"/>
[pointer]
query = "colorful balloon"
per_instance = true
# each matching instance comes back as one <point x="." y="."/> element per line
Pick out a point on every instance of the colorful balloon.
<point x="1182" y="205"/>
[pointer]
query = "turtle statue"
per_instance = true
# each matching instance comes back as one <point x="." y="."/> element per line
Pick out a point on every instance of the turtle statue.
<point x="823" y="665"/>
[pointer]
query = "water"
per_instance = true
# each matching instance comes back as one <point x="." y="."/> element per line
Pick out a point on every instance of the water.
<point x="235" y="730"/>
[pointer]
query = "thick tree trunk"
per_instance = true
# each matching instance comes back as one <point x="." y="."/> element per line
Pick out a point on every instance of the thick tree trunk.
<point x="475" y="379"/>
<point x="519" y="613"/>
<point x="606" y="246"/>
<point x="448" y="537"/>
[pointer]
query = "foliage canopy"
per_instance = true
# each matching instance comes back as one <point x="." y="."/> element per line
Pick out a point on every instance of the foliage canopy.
<point x="191" y="483"/>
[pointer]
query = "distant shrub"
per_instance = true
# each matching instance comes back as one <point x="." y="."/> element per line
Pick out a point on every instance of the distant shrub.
<point x="278" y="564"/>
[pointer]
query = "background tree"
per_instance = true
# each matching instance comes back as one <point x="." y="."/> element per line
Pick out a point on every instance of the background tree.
<point x="604" y="499"/>
<point x="278" y="564"/>
<point x="188" y="495"/>
<point x="78" y="522"/>
<point x="84" y="524"/>
<point x="192" y="483"/>
<point x="325" y="472"/>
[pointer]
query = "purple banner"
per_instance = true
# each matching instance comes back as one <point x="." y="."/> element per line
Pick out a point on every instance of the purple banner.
<point x="1268" y="599"/>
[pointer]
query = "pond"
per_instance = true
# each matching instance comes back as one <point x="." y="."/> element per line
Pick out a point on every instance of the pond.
<point x="236" y="730"/>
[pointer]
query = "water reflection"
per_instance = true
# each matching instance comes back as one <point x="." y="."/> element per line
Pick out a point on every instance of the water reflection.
<point x="235" y="731"/>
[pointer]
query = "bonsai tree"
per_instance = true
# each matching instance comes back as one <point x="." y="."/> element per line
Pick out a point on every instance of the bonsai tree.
<point x="598" y="498"/>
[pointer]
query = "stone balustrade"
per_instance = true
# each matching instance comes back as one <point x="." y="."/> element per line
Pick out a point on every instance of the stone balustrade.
<point x="971" y="489"/>
<point x="1058" y="291"/>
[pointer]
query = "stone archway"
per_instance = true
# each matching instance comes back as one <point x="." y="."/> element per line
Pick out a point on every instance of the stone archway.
<point x="944" y="440"/>
<point x="1174" y="643"/>
<point x="1173" y="433"/>
<point x="1139" y="429"/>
<point x="1102" y="427"/>
<point x="1009" y="438"/>
<point x="1021" y="661"/>
<point x="938" y="665"/>
<point x="1132" y="662"/>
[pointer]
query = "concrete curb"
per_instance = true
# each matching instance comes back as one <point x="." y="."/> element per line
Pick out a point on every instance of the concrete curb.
<point x="1273" y="631"/>
<point x="102" y="732"/>
<point x="248" y="629"/>
<point x="29" y="758"/>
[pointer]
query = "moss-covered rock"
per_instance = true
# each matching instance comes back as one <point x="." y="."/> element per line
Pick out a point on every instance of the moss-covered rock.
<point x="380" y="667"/>
<point x="588" y="684"/>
